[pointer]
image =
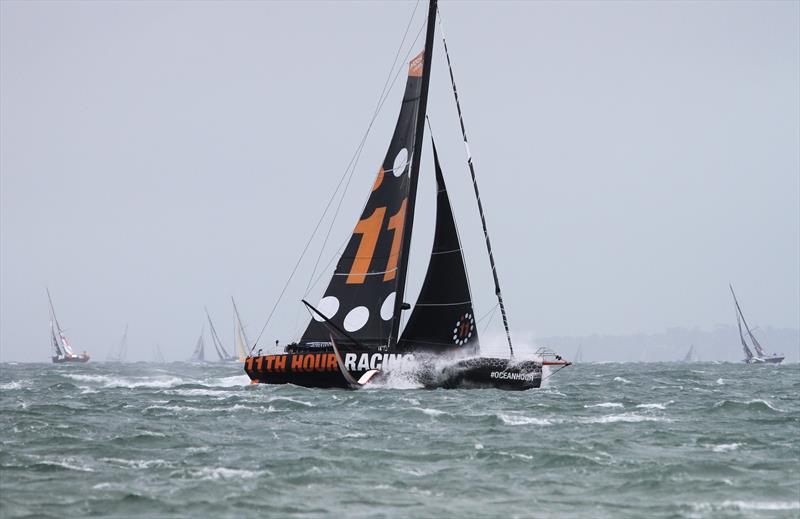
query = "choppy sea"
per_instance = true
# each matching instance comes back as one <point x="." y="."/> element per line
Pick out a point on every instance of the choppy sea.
<point x="599" y="440"/>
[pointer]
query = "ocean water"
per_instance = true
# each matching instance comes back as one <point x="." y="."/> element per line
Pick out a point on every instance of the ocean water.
<point x="599" y="440"/>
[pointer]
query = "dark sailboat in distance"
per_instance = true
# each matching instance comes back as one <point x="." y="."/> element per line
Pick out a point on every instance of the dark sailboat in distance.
<point x="354" y="333"/>
<point x="760" y="356"/>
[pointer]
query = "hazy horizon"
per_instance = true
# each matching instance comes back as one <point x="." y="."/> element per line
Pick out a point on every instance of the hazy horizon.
<point x="633" y="159"/>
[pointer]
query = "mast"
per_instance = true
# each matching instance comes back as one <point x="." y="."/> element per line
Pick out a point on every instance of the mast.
<point x="757" y="346"/>
<point x="241" y="328"/>
<point x="53" y="310"/>
<point x="478" y="197"/>
<point x="56" y="347"/>
<point x="223" y="355"/>
<point x="414" y="174"/>
<point x="747" y="353"/>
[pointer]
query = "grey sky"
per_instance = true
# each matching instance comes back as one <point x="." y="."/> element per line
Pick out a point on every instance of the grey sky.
<point x="157" y="157"/>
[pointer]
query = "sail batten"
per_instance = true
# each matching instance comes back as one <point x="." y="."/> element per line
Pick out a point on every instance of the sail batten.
<point x="443" y="318"/>
<point x="362" y="291"/>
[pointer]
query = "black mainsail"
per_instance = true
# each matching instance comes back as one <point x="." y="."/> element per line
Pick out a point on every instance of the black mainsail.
<point x="361" y="297"/>
<point x="443" y="318"/>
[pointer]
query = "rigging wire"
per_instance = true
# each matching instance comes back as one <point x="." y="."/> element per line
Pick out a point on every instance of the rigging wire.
<point x="477" y="194"/>
<point x="357" y="156"/>
<point x="349" y="170"/>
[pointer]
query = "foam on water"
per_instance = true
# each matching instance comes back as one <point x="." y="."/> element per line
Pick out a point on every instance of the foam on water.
<point x="130" y="440"/>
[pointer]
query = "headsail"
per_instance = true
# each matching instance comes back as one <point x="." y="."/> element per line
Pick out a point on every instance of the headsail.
<point x="54" y="340"/>
<point x="242" y="345"/>
<point x="748" y="355"/>
<point x="221" y="351"/>
<point x="199" y="353"/>
<point x="360" y="297"/>
<point x="443" y="318"/>
<point x="122" y="351"/>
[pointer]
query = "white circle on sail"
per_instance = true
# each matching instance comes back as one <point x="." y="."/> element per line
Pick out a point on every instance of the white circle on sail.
<point x="356" y="318"/>
<point x="400" y="162"/>
<point x="387" y="308"/>
<point x="328" y="306"/>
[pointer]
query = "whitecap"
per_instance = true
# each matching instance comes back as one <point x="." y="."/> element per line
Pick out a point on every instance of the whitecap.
<point x="11" y="385"/>
<point x="222" y="473"/>
<point x="523" y="420"/>
<point x="655" y="406"/>
<point x="232" y="381"/>
<point x="762" y="401"/>
<point x="625" y="417"/>
<point x="720" y="381"/>
<point x="623" y="380"/>
<point x="67" y="463"/>
<point x="605" y="404"/>
<point x="724" y="447"/>
<point x="747" y="505"/>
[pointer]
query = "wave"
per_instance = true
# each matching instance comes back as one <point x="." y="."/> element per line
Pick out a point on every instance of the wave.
<point x="522" y="420"/>
<point x="223" y="473"/>
<point x="625" y="417"/>
<point x="741" y="506"/>
<point x="756" y="404"/>
<point x="660" y="407"/>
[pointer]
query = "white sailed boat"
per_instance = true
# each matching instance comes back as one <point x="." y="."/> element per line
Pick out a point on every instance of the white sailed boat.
<point x="760" y="356"/>
<point x="62" y="350"/>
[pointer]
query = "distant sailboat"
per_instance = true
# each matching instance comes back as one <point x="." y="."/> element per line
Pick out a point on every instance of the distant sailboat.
<point x="691" y="355"/>
<point x="760" y="356"/>
<point x="62" y="350"/>
<point x="221" y="351"/>
<point x="241" y="343"/>
<point x="199" y="353"/>
<point x="157" y="355"/>
<point x="122" y="350"/>
<point x="578" y="355"/>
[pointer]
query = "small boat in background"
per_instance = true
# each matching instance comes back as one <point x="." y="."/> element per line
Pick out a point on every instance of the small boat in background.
<point x="221" y="351"/>
<point x="121" y="352"/>
<point x="241" y="344"/>
<point x="199" y="353"/>
<point x="157" y="355"/>
<point x="760" y="356"/>
<point x="63" y="352"/>
<point x="691" y="355"/>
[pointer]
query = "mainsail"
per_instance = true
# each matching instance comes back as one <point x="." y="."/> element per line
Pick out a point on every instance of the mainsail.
<point x="221" y="351"/>
<point x="54" y="341"/>
<point x="361" y="297"/>
<point x="443" y="318"/>
<point x="242" y="345"/>
<point x="199" y="353"/>
<point x="122" y="351"/>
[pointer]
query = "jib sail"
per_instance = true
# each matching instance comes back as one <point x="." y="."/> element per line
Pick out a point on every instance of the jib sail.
<point x="443" y="318"/>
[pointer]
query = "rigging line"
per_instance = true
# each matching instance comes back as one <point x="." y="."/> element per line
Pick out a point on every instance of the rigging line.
<point x="388" y="84"/>
<point x="330" y="201"/>
<point x="310" y="287"/>
<point x="554" y="372"/>
<point x="477" y="194"/>
<point x="489" y="313"/>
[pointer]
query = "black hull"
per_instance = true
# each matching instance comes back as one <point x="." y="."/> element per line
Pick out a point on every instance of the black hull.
<point x="62" y="360"/>
<point x="320" y="370"/>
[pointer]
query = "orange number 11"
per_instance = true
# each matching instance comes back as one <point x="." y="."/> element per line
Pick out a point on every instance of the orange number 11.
<point x="370" y="229"/>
